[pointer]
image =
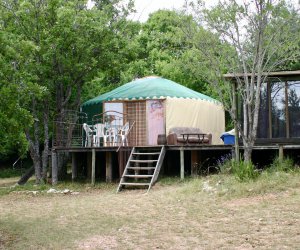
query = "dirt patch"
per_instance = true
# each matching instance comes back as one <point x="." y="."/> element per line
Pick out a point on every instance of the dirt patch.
<point x="254" y="200"/>
<point x="172" y="217"/>
<point x="6" y="239"/>
<point x="99" y="242"/>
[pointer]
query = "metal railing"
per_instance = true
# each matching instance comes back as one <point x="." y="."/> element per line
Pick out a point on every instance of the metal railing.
<point x="108" y="129"/>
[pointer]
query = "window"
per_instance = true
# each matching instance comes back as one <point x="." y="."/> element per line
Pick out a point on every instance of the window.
<point x="263" y="124"/>
<point x="294" y="108"/>
<point x="278" y="110"/>
<point x="279" y="114"/>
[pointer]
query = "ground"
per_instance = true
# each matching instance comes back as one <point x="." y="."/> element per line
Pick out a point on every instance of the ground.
<point x="204" y="213"/>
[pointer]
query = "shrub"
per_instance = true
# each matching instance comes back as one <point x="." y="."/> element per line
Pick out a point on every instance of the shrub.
<point x="10" y="172"/>
<point x="224" y="164"/>
<point x="242" y="170"/>
<point x="282" y="165"/>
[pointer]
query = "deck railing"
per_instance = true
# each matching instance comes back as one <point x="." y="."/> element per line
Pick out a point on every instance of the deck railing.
<point x="109" y="129"/>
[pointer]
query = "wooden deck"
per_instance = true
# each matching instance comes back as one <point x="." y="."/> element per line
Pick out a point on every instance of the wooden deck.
<point x="105" y="163"/>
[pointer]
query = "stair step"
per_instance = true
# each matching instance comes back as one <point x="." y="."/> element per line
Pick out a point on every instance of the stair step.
<point x="134" y="184"/>
<point x="144" y="161"/>
<point x="154" y="153"/>
<point x="141" y="168"/>
<point x="139" y="176"/>
<point x="131" y="166"/>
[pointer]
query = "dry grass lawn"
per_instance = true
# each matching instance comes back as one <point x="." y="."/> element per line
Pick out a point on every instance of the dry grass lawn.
<point x="215" y="212"/>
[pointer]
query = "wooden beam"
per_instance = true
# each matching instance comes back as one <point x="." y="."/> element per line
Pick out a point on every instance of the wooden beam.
<point x="93" y="166"/>
<point x="194" y="163"/>
<point x="181" y="163"/>
<point x="236" y="132"/>
<point x="74" y="166"/>
<point x="89" y="165"/>
<point x="280" y="152"/>
<point x="108" y="168"/>
<point x="54" y="167"/>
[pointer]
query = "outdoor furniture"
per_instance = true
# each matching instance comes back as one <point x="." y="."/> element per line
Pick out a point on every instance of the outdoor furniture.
<point x="193" y="137"/>
<point x="188" y="136"/>
<point x="123" y="132"/>
<point x="111" y="135"/>
<point x="89" y="135"/>
<point x="100" y="133"/>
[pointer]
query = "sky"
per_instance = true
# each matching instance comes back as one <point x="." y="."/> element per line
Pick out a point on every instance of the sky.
<point x="145" y="7"/>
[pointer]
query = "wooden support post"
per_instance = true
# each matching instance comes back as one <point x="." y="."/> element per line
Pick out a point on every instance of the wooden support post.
<point x="89" y="165"/>
<point x="170" y="161"/>
<point x="181" y="163"/>
<point x="108" y="167"/>
<point x="280" y="153"/>
<point x="121" y="161"/>
<point x="74" y="166"/>
<point x="194" y="163"/>
<point x="93" y="166"/>
<point x="235" y="109"/>
<point x="54" y="167"/>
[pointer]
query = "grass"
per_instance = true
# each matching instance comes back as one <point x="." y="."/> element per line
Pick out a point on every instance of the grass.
<point x="211" y="212"/>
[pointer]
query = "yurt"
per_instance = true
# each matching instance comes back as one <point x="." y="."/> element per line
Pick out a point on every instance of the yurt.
<point x="157" y="104"/>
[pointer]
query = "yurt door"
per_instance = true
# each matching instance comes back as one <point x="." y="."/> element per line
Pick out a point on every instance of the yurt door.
<point x="136" y="111"/>
<point x="155" y="120"/>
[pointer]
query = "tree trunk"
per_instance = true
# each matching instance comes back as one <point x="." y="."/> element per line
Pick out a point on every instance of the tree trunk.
<point x="37" y="168"/>
<point x="25" y="177"/>
<point x="247" y="154"/>
<point x="46" y="142"/>
<point x="62" y="160"/>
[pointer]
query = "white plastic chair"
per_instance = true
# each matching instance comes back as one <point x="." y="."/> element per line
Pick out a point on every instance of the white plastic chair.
<point x="88" y="135"/>
<point x="99" y="130"/>
<point x="123" y="134"/>
<point x="112" y="134"/>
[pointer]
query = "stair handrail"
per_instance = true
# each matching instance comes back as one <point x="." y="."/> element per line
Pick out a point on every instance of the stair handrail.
<point x="157" y="167"/>
<point x="14" y="164"/>
<point x="125" y="169"/>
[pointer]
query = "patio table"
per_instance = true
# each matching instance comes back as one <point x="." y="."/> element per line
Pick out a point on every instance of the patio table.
<point x="199" y="136"/>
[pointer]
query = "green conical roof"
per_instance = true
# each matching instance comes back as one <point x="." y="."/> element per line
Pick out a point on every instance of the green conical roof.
<point x="148" y="88"/>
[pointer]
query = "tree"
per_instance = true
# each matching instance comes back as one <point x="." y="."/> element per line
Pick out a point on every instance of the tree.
<point x="161" y="48"/>
<point x="71" y="44"/>
<point x="249" y="40"/>
<point x="15" y="90"/>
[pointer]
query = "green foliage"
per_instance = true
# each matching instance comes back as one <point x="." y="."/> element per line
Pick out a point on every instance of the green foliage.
<point x="16" y="88"/>
<point x="242" y="170"/>
<point x="163" y="49"/>
<point x="283" y="165"/>
<point x="49" y="50"/>
<point x="10" y="172"/>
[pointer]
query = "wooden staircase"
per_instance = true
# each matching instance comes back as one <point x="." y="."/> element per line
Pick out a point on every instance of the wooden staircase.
<point x="142" y="168"/>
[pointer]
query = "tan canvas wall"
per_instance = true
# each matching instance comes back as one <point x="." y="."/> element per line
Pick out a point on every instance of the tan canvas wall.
<point x="207" y="116"/>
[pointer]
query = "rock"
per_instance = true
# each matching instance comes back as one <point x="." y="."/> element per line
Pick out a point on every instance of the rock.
<point x="66" y="191"/>
<point x="208" y="188"/>
<point x="52" y="191"/>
